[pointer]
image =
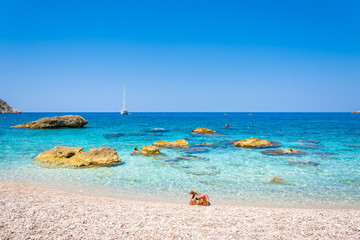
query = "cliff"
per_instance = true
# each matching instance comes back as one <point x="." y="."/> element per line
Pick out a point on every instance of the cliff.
<point x="6" y="108"/>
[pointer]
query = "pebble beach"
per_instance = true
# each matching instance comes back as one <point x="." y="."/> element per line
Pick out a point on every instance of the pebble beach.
<point x="28" y="212"/>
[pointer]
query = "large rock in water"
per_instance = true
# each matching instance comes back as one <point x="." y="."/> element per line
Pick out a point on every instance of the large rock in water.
<point x="67" y="121"/>
<point x="6" y="108"/>
<point x="203" y="131"/>
<point x="253" y="142"/>
<point x="74" y="157"/>
<point x="182" y="143"/>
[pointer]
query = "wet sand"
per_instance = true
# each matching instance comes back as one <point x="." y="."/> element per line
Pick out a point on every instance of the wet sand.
<point x="37" y="213"/>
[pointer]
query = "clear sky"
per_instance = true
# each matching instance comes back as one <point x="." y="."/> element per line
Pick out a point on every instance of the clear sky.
<point x="180" y="55"/>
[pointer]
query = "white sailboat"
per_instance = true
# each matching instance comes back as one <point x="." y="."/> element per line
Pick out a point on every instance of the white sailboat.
<point x="124" y="111"/>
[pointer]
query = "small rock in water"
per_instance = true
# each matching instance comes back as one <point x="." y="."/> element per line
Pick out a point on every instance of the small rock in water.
<point x="253" y="142"/>
<point x="149" y="150"/>
<point x="203" y="131"/>
<point x="277" y="180"/>
<point x="182" y="143"/>
<point x="297" y="162"/>
<point x="282" y="151"/>
<point x="207" y="144"/>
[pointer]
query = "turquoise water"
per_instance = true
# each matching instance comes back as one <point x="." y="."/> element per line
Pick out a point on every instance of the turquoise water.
<point x="227" y="174"/>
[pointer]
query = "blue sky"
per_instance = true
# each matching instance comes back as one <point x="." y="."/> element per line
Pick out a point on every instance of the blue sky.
<point x="180" y="55"/>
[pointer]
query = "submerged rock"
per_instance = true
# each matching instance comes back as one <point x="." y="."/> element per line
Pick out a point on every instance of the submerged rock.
<point x="203" y="131"/>
<point x="182" y="143"/>
<point x="351" y="182"/>
<point x="353" y="145"/>
<point x="147" y="150"/>
<point x="297" y="162"/>
<point x="114" y="135"/>
<point x="196" y="150"/>
<point x="203" y="172"/>
<point x="6" y="108"/>
<point x="190" y="157"/>
<point x="309" y="146"/>
<point x="307" y="141"/>
<point x="253" y="142"/>
<point x="324" y="153"/>
<point x="68" y="121"/>
<point x="207" y="144"/>
<point x="282" y="151"/>
<point x="74" y="157"/>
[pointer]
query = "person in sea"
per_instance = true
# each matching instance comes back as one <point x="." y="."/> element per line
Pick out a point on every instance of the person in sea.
<point x="198" y="199"/>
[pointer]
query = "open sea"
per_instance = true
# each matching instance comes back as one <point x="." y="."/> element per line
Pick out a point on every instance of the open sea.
<point x="229" y="175"/>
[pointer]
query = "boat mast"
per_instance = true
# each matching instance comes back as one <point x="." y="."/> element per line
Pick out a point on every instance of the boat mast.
<point x="124" y="99"/>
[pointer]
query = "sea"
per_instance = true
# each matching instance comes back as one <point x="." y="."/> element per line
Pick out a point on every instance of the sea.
<point x="228" y="174"/>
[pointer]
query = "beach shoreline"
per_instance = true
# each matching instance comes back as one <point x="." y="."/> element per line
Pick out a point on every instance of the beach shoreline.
<point x="34" y="212"/>
<point x="89" y="190"/>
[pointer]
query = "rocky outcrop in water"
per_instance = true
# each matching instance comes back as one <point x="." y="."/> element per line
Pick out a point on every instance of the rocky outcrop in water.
<point x="181" y="143"/>
<point x="253" y="142"/>
<point x="203" y="131"/>
<point x="6" y="108"/>
<point x="282" y="151"/>
<point x="61" y="156"/>
<point x="68" y="121"/>
<point x="147" y="150"/>
<point x="356" y="112"/>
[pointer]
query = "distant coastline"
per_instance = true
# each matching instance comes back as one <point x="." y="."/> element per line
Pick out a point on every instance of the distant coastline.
<point x="6" y="108"/>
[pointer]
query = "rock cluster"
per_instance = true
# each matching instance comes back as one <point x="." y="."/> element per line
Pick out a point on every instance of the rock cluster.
<point x="6" y="108"/>
<point x="182" y="143"/>
<point x="74" y="157"/>
<point x="67" y="121"/>
<point x="203" y="131"/>
<point x="253" y="142"/>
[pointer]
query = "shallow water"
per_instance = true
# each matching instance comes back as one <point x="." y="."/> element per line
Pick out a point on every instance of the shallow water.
<point x="227" y="174"/>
